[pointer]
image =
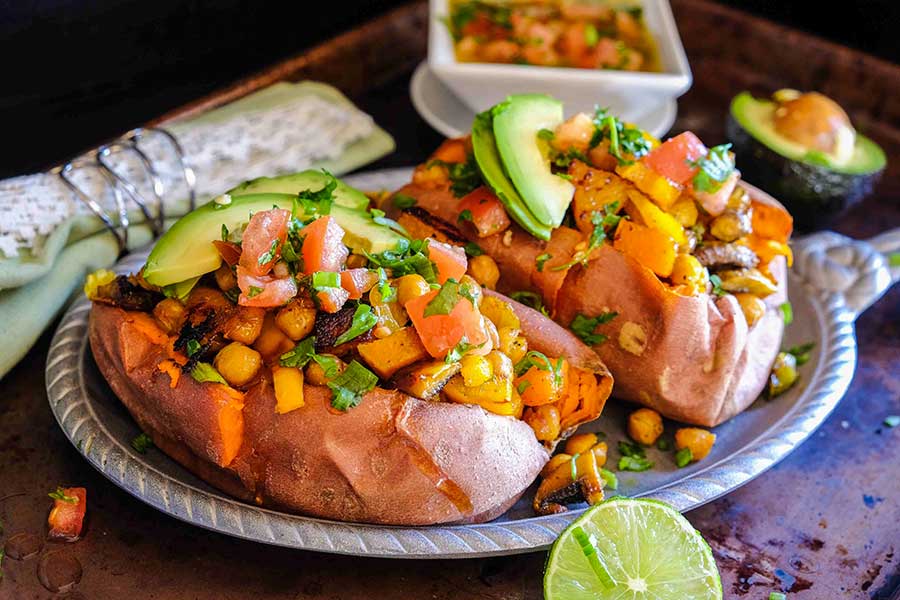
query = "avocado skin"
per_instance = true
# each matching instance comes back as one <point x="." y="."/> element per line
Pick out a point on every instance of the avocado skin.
<point x="814" y="195"/>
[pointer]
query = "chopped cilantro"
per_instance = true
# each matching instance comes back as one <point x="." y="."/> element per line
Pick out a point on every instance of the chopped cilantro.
<point x="317" y="203"/>
<point x="473" y="249"/>
<point x="406" y="257"/>
<point x="802" y="352"/>
<point x="305" y="351"/>
<point x="684" y="457"/>
<point x="402" y="201"/>
<point x="386" y="292"/>
<point x="624" y="140"/>
<point x="788" y="312"/>
<point x="664" y="444"/>
<point x="605" y="222"/>
<point x="541" y="259"/>
<point x="363" y="320"/>
<point x="445" y="300"/>
<point x="631" y="449"/>
<point x="585" y="327"/>
<point x="464" y="216"/>
<point x="531" y="299"/>
<point x="539" y="360"/>
<point x="464" y="176"/>
<point x="193" y="347"/>
<point x="717" y="288"/>
<point x="254" y="291"/>
<point x="713" y="169"/>
<point x="60" y="494"/>
<point x="459" y="350"/>
<point x="142" y="443"/>
<point x="351" y="385"/>
<point x="203" y="372"/>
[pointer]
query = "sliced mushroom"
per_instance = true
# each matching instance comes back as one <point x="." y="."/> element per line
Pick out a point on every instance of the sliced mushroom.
<point x="715" y="255"/>
<point x="747" y="280"/>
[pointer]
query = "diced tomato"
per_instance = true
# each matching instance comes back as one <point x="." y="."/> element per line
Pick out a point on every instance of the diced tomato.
<point x="486" y="211"/>
<point x="440" y="333"/>
<point x="323" y="246"/>
<point x="67" y="518"/>
<point x="715" y="202"/>
<point x="265" y="227"/>
<point x="264" y="291"/>
<point x="229" y="251"/>
<point x="671" y="158"/>
<point x="450" y="260"/>
<point x="332" y="299"/>
<point x="358" y="281"/>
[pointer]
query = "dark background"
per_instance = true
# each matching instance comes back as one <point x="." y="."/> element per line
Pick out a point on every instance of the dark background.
<point x="77" y="72"/>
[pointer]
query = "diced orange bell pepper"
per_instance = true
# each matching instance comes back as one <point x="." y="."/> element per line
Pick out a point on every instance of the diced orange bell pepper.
<point x="650" y="247"/>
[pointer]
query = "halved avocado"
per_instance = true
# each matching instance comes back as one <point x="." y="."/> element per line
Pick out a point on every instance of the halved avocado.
<point x="186" y="250"/>
<point x="488" y="160"/>
<point x="813" y="184"/>
<point x="517" y="122"/>
<point x="295" y="183"/>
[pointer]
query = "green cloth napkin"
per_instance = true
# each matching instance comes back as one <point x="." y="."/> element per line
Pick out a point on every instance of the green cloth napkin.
<point x="41" y="285"/>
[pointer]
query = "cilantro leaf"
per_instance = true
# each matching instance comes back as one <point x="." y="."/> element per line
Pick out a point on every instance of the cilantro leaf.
<point x="193" y="347"/>
<point x="269" y="255"/>
<point x="464" y="176"/>
<point x="445" y="300"/>
<point x="142" y="443"/>
<point x="459" y="350"/>
<point x="464" y="216"/>
<point x="305" y="351"/>
<point x="405" y="258"/>
<point x="802" y="352"/>
<point x="386" y="292"/>
<point x="585" y="327"/>
<point x="539" y="360"/>
<point x="530" y="299"/>
<point x="351" y="385"/>
<point x="316" y="203"/>
<point x="205" y="372"/>
<point x="713" y="169"/>
<point x="224" y="233"/>
<point x="254" y="291"/>
<point x="473" y="249"/>
<point x="605" y="222"/>
<point x="363" y="320"/>
<point x="60" y="494"/>
<point x="402" y="201"/>
<point x="626" y="143"/>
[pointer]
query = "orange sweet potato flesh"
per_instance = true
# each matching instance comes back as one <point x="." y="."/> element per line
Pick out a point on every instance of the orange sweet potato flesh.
<point x="692" y="358"/>
<point x="650" y="247"/>
<point x="391" y="460"/>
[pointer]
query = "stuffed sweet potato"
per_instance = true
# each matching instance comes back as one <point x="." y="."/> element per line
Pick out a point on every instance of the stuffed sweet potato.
<point x="664" y="263"/>
<point x="384" y="387"/>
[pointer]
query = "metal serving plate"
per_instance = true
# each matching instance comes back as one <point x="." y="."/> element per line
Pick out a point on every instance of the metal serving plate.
<point x="833" y="280"/>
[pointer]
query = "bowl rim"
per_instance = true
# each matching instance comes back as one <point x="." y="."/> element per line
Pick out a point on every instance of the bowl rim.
<point x="442" y="57"/>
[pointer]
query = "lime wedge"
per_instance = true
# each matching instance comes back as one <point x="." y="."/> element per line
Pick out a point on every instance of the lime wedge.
<point x="631" y="549"/>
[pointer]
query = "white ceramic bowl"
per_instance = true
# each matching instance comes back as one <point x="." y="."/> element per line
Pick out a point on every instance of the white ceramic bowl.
<point x="628" y="94"/>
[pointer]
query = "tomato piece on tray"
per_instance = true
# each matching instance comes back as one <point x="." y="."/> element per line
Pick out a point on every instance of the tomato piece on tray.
<point x="265" y="228"/>
<point x="671" y="158"/>
<point x="67" y="515"/>
<point x="323" y="246"/>
<point x="440" y="333"/>
<point x="450" y="260"/>
<point x="485" y="212"/>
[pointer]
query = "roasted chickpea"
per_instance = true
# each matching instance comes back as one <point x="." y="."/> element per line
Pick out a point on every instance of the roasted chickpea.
<point x="296" y="320"/>
<point x="700" y="441"/>
<point x="581" y="443"/>
<point x="237" y="363"/>
<point x="475" y="370"/>
<point x="730" y="225"/>
<point x="645" y="426"/>
<point x="544" y="420"/>
<point x="245" y="324"/>
<point x="688" y="272"/>
<point x="170" y="314"/>
<point x="410" y="287"/>
<point x="484" y="270"/>
<point x="272" y="342"/>
<point x="784" y="374"/>
<point x="315" y="373"/>
<point x="752" y="307"/>
<point x="225" y="277"/>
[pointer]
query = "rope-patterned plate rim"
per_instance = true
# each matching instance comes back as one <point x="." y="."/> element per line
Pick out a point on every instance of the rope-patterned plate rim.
<point x="69" y="401"/>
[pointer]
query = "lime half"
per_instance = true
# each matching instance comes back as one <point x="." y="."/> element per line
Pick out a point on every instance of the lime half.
<point x="631" y="549"/>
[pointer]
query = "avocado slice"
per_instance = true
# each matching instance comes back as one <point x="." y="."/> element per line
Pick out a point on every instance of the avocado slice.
<point x="814" y="185"/>
<point x="295" y="183"/>
<point x="517" y="122"/>
<point x="488" y="160"/>
<point x="185" y="250"/>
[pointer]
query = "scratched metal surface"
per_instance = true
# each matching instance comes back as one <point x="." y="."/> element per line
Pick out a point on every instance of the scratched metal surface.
<point x="825" y="523"/>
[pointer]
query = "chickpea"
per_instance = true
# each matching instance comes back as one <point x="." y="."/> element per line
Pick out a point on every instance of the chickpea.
<point x="296" y="321"/>
<point x="784" y="374"/>
<point x="170" y="314"/>
<point x="688" y="271"/>
<point x="237" y="363"/>
<point x="225" y="277"/>
<point x="581" y="443"/>
<point x="315" y="373"/>
<point x="544" y="420"/>
<point x="700" y="441"/>
<point x="730" y="225"/>
<point x="484" y="270"/>
<point x="410" y="287"/>
<point x="752" y="307"/>
<point x="245" y="324"/>
<point x="272" y="342"/>
<point x="645" y="426"/>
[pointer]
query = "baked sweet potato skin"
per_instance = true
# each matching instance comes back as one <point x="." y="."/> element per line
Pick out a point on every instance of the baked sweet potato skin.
<point x="391" y="460"/>
<point x="692" y="358"/>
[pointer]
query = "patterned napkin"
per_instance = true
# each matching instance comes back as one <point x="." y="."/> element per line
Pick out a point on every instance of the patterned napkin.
<point x="50" y="239"/>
